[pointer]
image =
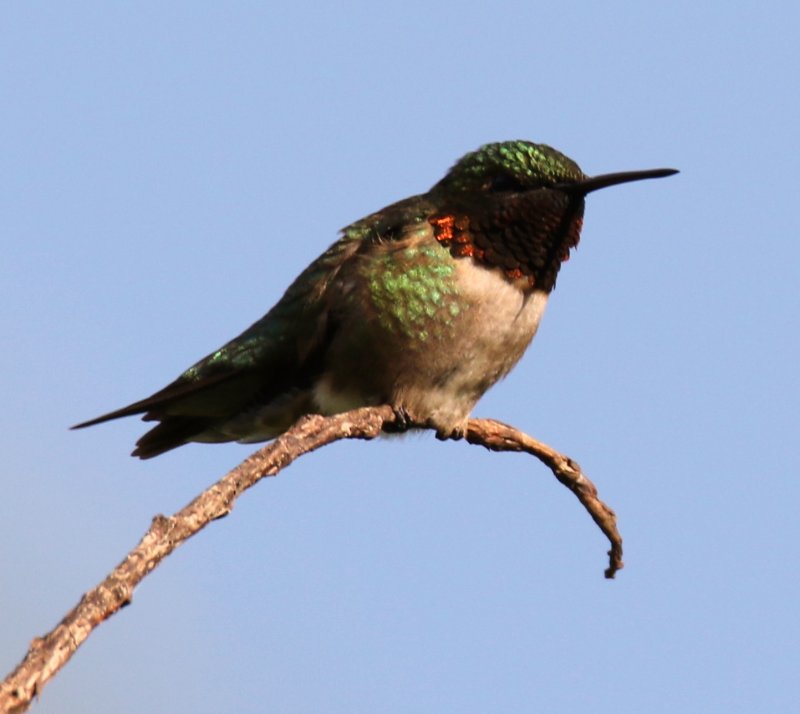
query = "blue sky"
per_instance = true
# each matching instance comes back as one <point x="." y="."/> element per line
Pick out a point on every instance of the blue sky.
<point x="169" y="168"/>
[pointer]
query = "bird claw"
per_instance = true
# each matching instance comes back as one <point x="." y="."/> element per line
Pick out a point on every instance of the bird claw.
<point x="402" y="421"/>
<point x="455" y="434"/>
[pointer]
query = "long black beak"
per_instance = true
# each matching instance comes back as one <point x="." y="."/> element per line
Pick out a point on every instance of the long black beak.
<point x="593" y="183"/>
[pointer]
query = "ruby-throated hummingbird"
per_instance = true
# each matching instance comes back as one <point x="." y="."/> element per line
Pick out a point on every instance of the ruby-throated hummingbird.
<point x="423" y="305"/>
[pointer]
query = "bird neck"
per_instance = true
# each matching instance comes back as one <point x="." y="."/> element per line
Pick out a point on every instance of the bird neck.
<point x="528" y="236"/>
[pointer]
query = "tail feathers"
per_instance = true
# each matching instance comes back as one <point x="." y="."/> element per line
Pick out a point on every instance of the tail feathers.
<point x="172" y="432"/>
<point x="186" y="408"/>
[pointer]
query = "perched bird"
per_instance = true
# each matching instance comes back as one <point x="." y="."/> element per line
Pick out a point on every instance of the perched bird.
<point x="423" y="305"/>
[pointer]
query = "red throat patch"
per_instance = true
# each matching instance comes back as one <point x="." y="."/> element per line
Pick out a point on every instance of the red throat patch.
<point x="452" y="231"/>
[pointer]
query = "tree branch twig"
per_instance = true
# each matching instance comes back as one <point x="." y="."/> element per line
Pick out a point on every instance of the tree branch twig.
<point x="49" y="653"/>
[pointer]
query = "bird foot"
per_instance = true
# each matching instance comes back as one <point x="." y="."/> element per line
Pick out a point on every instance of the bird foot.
<point x="402" y="421"/>
<point x="455" y="433"/>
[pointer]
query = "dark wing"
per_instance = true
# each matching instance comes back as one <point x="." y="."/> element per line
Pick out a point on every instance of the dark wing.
<point x="283" y="352"/>
<point x="279" y="353"/>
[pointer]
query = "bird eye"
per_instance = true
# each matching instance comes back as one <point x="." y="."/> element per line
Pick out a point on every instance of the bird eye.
<point x="505" y="182"/>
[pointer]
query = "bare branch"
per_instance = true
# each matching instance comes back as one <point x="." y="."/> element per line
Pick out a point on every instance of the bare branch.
<point x="497" y="436"/>
<point x="49" y="653"/>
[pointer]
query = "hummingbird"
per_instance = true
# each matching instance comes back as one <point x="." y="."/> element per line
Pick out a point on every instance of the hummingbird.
<point x="423" y="305"/>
